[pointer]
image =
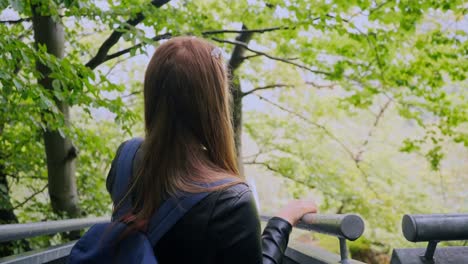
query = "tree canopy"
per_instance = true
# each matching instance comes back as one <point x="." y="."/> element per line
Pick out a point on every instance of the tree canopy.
<point x="332" y="78"/>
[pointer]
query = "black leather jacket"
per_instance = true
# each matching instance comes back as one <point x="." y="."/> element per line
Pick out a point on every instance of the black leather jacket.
<point x="222" y="228"/>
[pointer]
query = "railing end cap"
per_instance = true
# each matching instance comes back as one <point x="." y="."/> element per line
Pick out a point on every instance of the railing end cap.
<point x="352" y="226"/>
<point x="409" y="228"/>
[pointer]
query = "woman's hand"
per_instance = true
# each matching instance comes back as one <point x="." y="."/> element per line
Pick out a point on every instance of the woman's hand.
<point x="295" y="209"/>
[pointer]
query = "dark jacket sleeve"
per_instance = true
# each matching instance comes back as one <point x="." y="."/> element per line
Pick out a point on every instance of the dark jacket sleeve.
<point x="236" y="230"/>
<point x="275" y="239"/>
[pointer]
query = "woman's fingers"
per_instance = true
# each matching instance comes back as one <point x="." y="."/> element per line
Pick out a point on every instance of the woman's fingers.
<point x="309" y="206"/>
<point x="295" y="209"/>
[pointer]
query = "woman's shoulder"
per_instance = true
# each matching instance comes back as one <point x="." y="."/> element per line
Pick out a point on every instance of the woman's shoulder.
<point x="238" y="193"/>
<point x="236" y="189"/>
<point x="235" y="199"/>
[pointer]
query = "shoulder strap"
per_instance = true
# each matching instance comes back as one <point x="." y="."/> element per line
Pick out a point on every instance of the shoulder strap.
<point x="174" y="209"/>
<point x="123" y="176"/>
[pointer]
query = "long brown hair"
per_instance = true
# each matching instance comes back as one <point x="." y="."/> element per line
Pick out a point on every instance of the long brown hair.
<point x="189" y="136"/>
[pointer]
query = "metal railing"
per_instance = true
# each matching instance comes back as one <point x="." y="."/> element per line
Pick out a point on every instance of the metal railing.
<point x="416" y="228"/>
<point x="345" y="227"/>
<point x="433" y="228"/>
<point x="54" y="254"/>
<point x="20" y="231"/>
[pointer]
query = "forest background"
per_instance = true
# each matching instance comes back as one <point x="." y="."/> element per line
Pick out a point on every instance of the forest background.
<point x="360" y="104"/>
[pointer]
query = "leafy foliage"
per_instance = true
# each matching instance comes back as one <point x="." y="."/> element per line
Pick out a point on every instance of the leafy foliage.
<point x="334" y="62"/>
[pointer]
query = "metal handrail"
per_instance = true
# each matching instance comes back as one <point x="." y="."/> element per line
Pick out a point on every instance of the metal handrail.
<point x="20" y="231"/>
<point x="343" y="226"/>
<point x="435" y="227"/>
<point x="347" y="226"/>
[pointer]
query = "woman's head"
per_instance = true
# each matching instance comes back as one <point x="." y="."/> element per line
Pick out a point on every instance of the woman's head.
<point x="186" y="93"/>
<point x="189" y="136"/>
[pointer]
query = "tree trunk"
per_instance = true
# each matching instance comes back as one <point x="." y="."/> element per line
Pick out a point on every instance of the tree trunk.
<point x="59" y="149"/>
<point x="235" y="61"/>
<point x="7" y="214"/>
<point x="237" y="120"/>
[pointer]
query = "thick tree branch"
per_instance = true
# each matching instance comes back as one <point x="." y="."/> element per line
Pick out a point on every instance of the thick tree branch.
<point x="16" y="21"/>
<point x="277" y="85"/>
<point x="282" y="85"/>
<point x="287" y="61"/>
<point x="101" y="55"/>
<point x="169" y="35"/>
<point x="31" y="197"/>
<point x="108" y="57"/>
<point x="251" y="56"/>
<point x="127" y="50"/>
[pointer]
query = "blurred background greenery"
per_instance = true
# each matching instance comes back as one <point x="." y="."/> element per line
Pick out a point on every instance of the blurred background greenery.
<point x="361" y="105"/>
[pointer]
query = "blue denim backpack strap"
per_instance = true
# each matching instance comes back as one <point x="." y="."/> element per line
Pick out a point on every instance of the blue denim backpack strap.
<point x="123" y="177"/>
<point x="174" y="209"/>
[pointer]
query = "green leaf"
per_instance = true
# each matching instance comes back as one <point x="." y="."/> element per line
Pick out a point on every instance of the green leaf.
<point x="56" y="85"/>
